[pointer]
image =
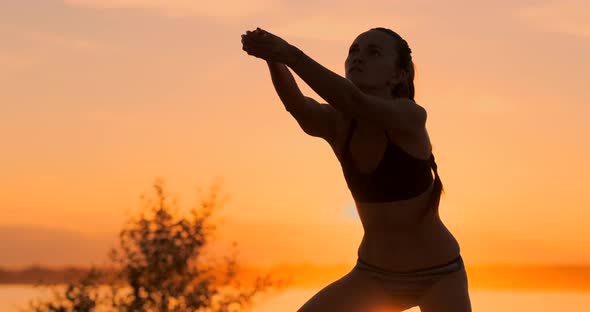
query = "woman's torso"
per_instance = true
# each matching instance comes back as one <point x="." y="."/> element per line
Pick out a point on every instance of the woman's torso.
<point x="399" y="235"/>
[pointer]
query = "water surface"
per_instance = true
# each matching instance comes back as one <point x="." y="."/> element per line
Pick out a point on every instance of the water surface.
<point x="14" y="296"/>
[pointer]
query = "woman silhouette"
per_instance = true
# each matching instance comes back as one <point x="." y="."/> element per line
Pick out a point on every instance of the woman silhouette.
<point x="407" y="256"/>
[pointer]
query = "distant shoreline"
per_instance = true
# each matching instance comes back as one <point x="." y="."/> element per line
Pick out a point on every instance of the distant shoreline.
<point x="509" y="277"/>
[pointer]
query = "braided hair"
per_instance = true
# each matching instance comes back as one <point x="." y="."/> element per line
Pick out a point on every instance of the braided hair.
<point x="405" y="89"/>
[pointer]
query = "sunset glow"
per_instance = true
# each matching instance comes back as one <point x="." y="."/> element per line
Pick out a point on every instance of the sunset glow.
<point x="101" y="97"/>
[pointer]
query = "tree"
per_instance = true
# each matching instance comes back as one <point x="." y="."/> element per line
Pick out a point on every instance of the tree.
<point x="160" y="265"/>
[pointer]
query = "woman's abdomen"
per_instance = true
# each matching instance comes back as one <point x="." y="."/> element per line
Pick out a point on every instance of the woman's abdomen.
<point x="428" y="245"/>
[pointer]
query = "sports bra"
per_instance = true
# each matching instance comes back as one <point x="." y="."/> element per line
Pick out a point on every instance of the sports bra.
<point x="398" y="175"/>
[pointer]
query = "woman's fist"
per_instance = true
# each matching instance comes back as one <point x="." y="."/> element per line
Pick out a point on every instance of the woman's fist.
<point x="264" y="45"/>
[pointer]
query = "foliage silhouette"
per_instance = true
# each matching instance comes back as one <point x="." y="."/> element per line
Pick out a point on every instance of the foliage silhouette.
<point x="160" y="265"/>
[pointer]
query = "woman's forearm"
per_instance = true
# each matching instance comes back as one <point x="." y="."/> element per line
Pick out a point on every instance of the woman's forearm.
<point x="286" y="87"/>
<point x="335" y="89"/>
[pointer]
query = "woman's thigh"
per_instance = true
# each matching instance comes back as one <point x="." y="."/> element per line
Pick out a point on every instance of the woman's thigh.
<point x="450" y="293"/>
<point x="357" y="291"/>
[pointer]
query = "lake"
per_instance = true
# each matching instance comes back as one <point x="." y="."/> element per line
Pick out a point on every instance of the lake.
<point x="13" y="296"/>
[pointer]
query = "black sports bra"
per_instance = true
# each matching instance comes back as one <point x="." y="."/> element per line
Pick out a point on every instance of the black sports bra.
<point x="398" y="176"/>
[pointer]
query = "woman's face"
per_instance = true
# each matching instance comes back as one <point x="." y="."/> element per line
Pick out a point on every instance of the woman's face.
<point x="370" y="64"/>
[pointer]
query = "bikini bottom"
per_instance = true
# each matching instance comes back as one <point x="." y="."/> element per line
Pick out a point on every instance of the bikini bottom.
<point x="408" y="287"/>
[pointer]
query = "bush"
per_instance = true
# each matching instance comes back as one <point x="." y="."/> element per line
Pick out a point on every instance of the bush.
<point x="160" y="266"/>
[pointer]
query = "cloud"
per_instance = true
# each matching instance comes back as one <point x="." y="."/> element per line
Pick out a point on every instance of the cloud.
<point x="16" y="61"/>
<point x="568" y="17"/>
<point x="326" y="20"/>
<point x="335" y="24"/>
<point x="23" y="50"/>
<point x="24" y="245"/>
<point x="177" y="8"/>
<point x="68" y="41"/>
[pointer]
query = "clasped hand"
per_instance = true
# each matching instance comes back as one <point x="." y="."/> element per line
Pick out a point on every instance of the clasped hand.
<point x="264" y="45"/>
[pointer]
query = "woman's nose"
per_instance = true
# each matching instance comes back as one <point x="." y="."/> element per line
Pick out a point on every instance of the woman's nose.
<point x="356" y="60"/>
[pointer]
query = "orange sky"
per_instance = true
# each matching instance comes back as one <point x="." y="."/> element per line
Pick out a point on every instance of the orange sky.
<point x="100" y="97"/>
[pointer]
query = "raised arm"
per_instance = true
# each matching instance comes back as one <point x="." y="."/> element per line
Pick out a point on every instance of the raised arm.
<point x="402" y="115"/>
<point x="315" y="119"/>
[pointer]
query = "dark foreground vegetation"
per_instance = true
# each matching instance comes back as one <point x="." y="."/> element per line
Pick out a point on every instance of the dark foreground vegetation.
<point x="160" y="264"/>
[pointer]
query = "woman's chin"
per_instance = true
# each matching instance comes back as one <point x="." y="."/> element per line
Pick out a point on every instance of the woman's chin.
<point x="357" y="82"/>
<point x="360" y="84"/>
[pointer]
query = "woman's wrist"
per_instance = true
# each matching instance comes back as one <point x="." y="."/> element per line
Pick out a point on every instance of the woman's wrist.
<point x="296" y="56"/>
